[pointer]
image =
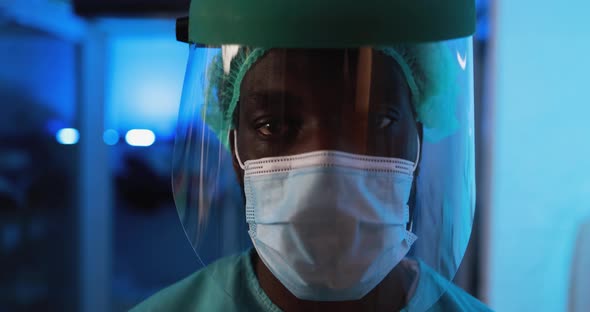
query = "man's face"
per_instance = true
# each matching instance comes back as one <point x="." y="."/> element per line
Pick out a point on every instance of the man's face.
<point x="294" y="101"/>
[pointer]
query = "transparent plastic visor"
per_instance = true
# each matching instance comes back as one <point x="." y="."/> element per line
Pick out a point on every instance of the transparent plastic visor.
<point x="342" y="171"/>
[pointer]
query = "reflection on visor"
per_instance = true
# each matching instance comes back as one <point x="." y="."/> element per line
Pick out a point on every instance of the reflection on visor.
<point x="427" y="69"/>
<point x="298" y="101"/>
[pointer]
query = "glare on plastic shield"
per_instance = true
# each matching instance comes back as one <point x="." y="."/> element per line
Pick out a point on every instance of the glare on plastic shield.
<point x="344" y="170"/>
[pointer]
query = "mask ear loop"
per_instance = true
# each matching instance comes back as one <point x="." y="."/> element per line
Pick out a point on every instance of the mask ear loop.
<point x="414" y="170"/>
<point x="417" y="155"/>
<point x="235" y="143"/>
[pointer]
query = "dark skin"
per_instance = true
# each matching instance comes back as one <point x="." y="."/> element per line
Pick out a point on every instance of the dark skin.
<point x="357" y="101"/>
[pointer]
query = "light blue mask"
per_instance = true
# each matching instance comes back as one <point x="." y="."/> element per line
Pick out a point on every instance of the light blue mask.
<point x="329" y="225"/>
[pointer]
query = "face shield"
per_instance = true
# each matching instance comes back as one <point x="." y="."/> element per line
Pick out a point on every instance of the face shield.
<point x="335" y="164"/>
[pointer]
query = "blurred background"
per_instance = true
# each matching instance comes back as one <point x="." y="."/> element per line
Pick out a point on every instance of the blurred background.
<point x="89" y="91"/>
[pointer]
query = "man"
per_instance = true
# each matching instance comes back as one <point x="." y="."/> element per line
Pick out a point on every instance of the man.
<point x="351" y="140"/>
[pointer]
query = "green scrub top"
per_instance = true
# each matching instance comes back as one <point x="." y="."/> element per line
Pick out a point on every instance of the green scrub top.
<point x="211" y="288"/>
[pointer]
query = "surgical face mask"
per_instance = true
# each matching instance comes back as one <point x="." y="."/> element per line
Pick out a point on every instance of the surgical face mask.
<point x="329" y="225"/>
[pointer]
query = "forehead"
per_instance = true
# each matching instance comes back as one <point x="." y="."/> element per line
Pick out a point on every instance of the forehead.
<point x="329" y="70"/>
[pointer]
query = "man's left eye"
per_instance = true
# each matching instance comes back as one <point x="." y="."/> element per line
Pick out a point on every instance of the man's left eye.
<point x="384" y="122"/>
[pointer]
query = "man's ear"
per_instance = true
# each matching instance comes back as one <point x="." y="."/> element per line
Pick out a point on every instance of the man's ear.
<point x="237" y="169"/>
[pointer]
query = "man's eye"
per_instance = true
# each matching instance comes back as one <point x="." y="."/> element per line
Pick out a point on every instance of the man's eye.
<point x="384" y="122"/>
<point x="272" y="129"/>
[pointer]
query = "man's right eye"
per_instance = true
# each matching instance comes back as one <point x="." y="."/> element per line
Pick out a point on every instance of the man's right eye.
<point x="272" y="129"/>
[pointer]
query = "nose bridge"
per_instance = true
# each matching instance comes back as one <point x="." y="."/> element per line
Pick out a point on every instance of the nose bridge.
<point x="344" y="136"/>
<point x="344" y="127"/>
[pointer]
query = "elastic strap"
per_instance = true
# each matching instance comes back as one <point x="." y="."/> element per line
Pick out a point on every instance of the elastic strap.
<point x="235" y="142"/>
<point x="417" y="156"/>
